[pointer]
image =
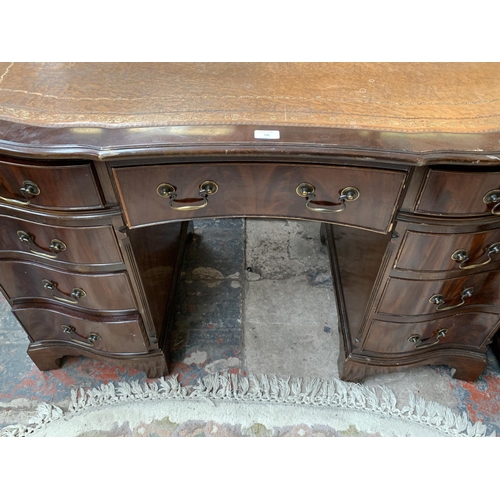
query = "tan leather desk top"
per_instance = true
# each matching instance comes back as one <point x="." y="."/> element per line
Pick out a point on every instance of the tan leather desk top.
<point x="399" y="97"/>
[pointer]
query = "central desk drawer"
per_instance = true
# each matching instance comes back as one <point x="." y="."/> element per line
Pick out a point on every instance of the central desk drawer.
<point x="354" y="196"/>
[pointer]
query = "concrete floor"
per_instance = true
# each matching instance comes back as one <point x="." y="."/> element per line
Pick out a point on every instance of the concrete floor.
<point x="254" y="297"/>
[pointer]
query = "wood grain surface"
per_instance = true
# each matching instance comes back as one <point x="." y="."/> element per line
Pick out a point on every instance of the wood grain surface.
<point x="458" y="193"/>
<point x="104" y="292"/>
<point x="464" y="330"/>
<point x="69" y="187"/>
<point x="118" y="334"/>
<point x="411" y="297"/>
<point x="260" y="189"/>
<point x="431" y="252"/>
<point x="84" y="245"/>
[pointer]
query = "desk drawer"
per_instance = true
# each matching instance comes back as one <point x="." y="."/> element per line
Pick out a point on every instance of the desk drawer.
<point x="107" y="292"/>
<point x="55" y="187"/>
<point x="461" y="331"/>
<point x="411" y="297"/>
<point x="81" y="245"/>
<point x="460" y="194"/>
<point x="118" y="334"/>
<point x="435" y="252"/>
<point x="260" y="189"/>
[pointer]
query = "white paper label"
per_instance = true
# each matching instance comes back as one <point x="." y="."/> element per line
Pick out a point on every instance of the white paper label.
<point x="266" y="134"/>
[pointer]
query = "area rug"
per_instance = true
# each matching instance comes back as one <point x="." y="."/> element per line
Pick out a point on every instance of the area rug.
<point x="232" y="405"/>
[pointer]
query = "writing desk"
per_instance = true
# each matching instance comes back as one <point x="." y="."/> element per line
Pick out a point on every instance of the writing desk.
<point x="102" y="166"/>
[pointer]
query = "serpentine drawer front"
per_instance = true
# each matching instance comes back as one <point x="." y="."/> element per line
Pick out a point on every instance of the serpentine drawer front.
<point x="106" y="292"/>
<point x="48" y="186"/>
<point x="361" y="197"/>
<point x="49" y="243"/>
<point x="412" y="297"/>
<point x="118" y="334"/>
<point x="460" y="194"/>
<point x="458" y="331"/>
<point x="434" y="252"/>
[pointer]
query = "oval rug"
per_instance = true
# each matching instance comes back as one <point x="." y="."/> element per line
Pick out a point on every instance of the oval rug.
<point x="233" y="405"/>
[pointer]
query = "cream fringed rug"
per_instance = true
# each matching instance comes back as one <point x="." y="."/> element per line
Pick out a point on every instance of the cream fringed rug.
<point x="231" y="405"/>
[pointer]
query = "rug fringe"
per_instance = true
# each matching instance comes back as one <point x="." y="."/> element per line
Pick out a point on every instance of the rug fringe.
<point x="263" y="389"/>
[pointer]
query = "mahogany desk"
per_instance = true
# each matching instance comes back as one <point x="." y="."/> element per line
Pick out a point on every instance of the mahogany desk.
<point x="103" y="165"/>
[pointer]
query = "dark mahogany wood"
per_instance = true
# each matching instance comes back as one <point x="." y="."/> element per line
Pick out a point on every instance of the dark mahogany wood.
<point x="62" y="187"/>
<point x="118" y="334"/>
<point x="411" y="297"/>
<point x="158" y="252"/>
<point x="466" y="365"/>
<point x="430" y="252"/>
<point x="457" y="193"/>
<point x="50" y="354"/>
<point x="356" y="264"/>
<point x="377" y="347"/>
<point x="84" y="245"/>
<point x="105" y="292"/>
<point x="261" y="189"/>
<point x="465" y="331"/>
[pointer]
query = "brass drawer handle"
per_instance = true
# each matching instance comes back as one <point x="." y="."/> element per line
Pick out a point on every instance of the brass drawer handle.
<point x="88" y="342"/>
<point x="56" y="246"/>
<point x="207" y="188"/>
<point x="439" y="300"/>
<point x="462" y="256"/>
<point x="29" y="189"/>
<point x="76" y="293"/>
<point x="415" y="339"/>
<point x="493" y="197"/>
<point x="306" y="190"/>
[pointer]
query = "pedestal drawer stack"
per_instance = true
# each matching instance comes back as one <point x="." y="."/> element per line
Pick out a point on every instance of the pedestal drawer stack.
<point x="61" y="267"/>
<point x="439" y="298"/>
